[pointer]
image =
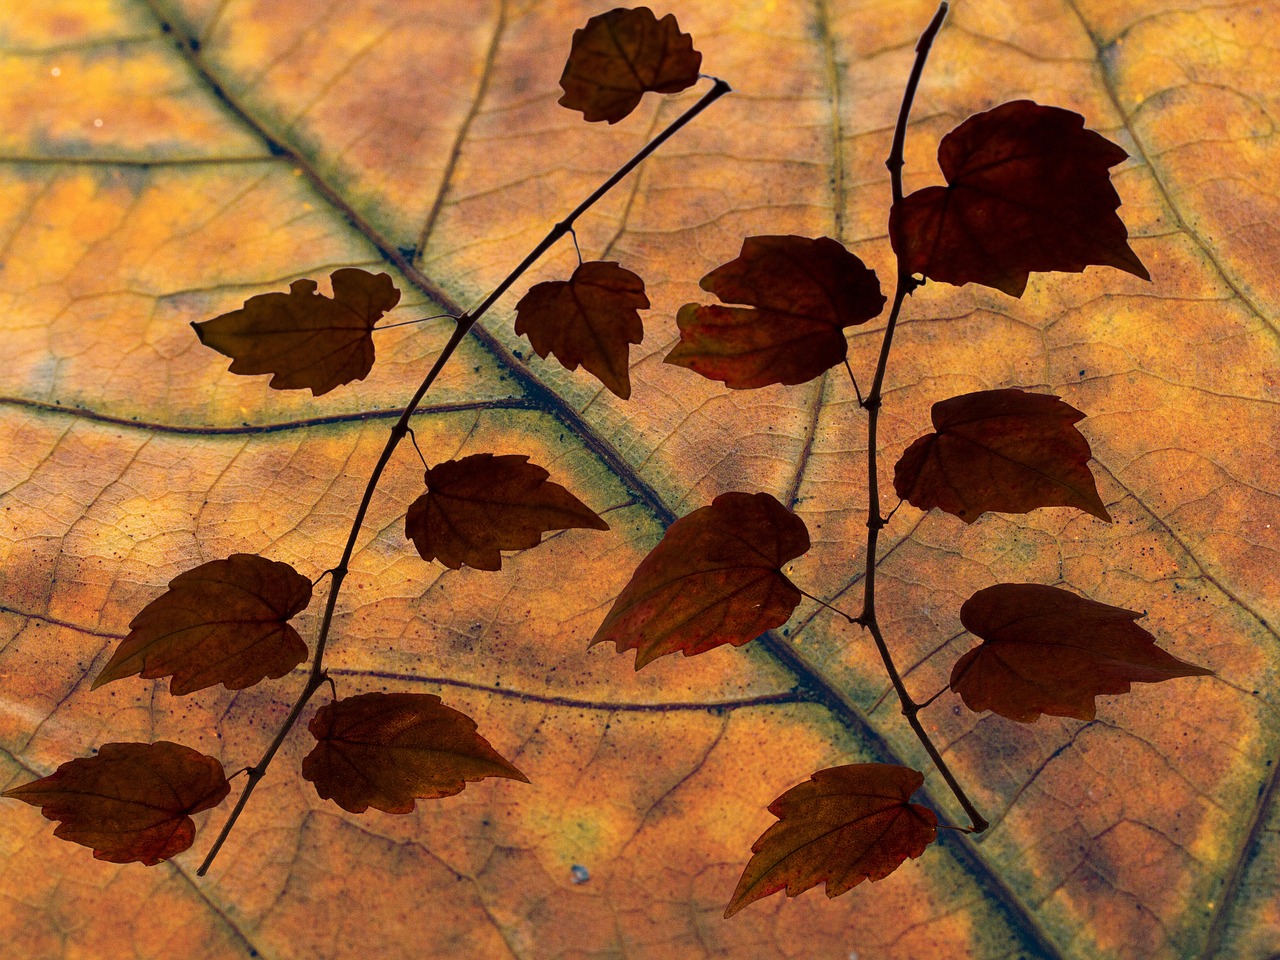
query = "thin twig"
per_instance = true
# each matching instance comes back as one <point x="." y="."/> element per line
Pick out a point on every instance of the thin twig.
<point x="848" y="616"/>
<point x="854" y="381"/>
<point x="935" y="696"/>
<point x="409" y="323"/>
<point x="576" y="249"/>
<point x="414" y="438"/>
<point x="317" y="676"/>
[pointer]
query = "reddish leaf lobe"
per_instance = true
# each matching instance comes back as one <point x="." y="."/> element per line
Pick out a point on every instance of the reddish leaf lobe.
<point x="225" y="621"/>
<point x="482" y="504"/>
<point x="1028" y="189"/>
<point x="805" y="292"/>
<point x="1005" y="451"/>
<point x="620" y="56"/>
<point x="387" y="750"/>
<point x="842" y="826"/>
<point x="590" y="319"/>
<point x="1050" y="651"/>
<point x="132" y="802"/>
<point x="304" y="338"/>
<point x="714" y="578"/>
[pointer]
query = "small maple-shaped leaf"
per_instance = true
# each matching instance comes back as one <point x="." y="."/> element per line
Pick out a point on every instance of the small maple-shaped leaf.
<point x="805" y="291"/>
<point x="620" y="56"/>
<point x="1047" y="650"/>
<point x="225" y="621"/>
<point x="132" y="801"/>
<point x="1006" y="451"/>
<point x="386" y="750"/>
<point x="714" y="578"/>
<point x="1028" y="189"/>
<point x="590" y="319"/>
<point x="303" y="337"/>
<point x="843" y="825"/>
<point x="482" y="504"/>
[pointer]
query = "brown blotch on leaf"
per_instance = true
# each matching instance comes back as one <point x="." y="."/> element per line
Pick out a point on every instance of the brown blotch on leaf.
<point x="483" y="504"/>
<point x="620" y="56"/>
<point x="805" y="292"/>
<point x="304" y="338"/>
<point x="590" y="319"/>
<point x="1005" y="451"/>
<point x="225" y="621"/>
<point x="1047" y="650"/>
<point x="714" y="578"/>
<point x="386" y="750"/>
<point x="132" y="802"/>
<point x="1028" y="189"/>
<point x="842" y="826"/>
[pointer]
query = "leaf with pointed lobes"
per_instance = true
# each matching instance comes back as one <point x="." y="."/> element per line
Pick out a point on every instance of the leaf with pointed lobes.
<point x="304" y="338"/>
<point x="1028" y="189"/>
<point x="1047" y="650"/>
<point x="842" y="826"/>
<point x="714" y="578"/>
<point x="590" y="319"/>
<point x="620" y="56"/>
<point x="387" y="750"/>
<point x="1005" y="451"/>
<point x="131" y="802"/>
<point x="804" y="291"/>
<point x="482" y="504"/>
<point x="225" y="621"/>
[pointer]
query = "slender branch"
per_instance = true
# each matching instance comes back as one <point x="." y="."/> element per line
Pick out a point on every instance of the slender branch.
<point x="317" y="676"/>
<point x="818" y="600"/>
<point x="904" y="286"/>
<point x="935" y="696"/>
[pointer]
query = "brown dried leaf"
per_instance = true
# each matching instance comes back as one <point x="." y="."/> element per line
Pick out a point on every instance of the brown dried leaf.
<point x="385" y="750"/>
<point x="303" y="337"/>
<point x="589" y="319"/>
<point x="132" y="802"/>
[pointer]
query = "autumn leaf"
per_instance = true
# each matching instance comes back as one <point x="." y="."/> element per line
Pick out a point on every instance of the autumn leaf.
<point x="226" y="621"/>
<point x="303" y="337"/>
<point x="386" y="750"/>
<point x="1047" y="650"/>
<point x="1005" y="451"/>
<point x="131" y="802"/>
<point x="841" y="826"/>
<point x="589" y="319"/>
<point x="620" y="56"/>
<point x="482" y="504"/>
<point x="715" y="578"/>
<point x="805" y="293"/>
<point x="1028" y="189"/>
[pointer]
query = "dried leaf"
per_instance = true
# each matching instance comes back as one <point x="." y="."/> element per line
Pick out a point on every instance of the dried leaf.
<point x="806" y="292"/>
<point x="590" y="319"/>
<point x="842" y="826"/>
<point x="620" y="56"/>
<point x="714" y="578"/>
<point x="1047" y="650"/>
<point x="385" y="750"/>
<point x="481" y="504"/>
<point x="225" y="621"/>
<point x="1028" y="189"/>
<point x="303" y="337"/>
<point x="1005" y="451"/>
<point x="132" y="802"/>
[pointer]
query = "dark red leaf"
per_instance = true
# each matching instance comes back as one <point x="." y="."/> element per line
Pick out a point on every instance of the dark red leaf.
<point x="385" y="750"/>
<point x="714" y="578"/>
<point x="1006" y="451"/>
<point x="225" y="621"/>
<point x="620" y="56"/>
<point x="1028" y="189"/>
<point x="806" y="292"/>
<point x="303" y="337"/>
<point x="1047" y="650"/>
<point x="481" y="504"/>
<point x="591" y="319"/>
<point x="842" y="826"/>
<point x="132" y="802"/>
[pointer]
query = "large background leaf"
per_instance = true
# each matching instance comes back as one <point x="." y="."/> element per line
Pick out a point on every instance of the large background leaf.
<point x="247" y="143"/>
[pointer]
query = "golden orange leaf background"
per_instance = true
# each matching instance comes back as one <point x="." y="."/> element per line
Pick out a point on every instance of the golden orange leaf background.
<point x="161" y="161"/>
